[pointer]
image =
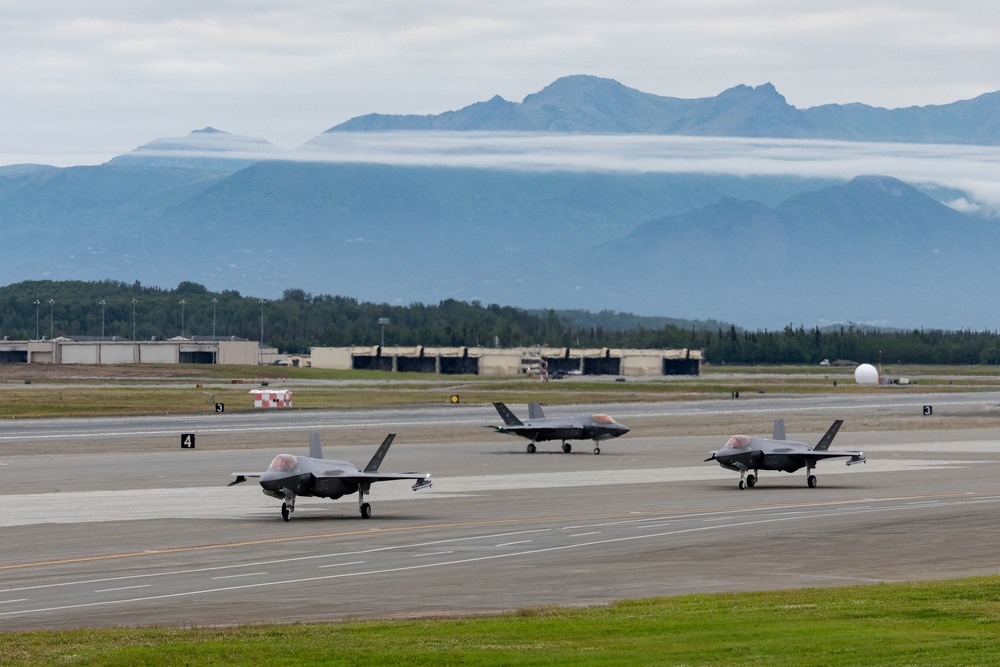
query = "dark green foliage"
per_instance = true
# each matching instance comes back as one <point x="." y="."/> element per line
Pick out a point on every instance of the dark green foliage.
<point x="300" y="320"/>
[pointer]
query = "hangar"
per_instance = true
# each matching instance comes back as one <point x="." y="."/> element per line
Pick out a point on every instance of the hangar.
<point x="510" y="361"/>
<point x="114" y="350"/>
<point x="461" y="360"/>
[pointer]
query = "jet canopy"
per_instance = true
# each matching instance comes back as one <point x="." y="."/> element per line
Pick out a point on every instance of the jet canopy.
<point x="283" y="462"/>
<point x="602" y="419"/>
<point x="738" y="442"/>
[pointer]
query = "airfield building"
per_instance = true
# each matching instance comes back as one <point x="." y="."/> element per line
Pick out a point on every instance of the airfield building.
<point x="553" y="362"/>
<point x="114" y="350"/>
<point x="540" y="361"/>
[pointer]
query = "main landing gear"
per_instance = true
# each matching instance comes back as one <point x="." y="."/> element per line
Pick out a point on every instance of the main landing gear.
<point x="810" y="477"/>
<point x="363" y="507"/>
<point x="566" y="447"/>
<point x="288" y="506"/>
<point x="748" y="481"/>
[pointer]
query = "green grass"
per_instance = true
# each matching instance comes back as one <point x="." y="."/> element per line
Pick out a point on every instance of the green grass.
<point x="937" y="623"/>
<point x="175" y="389"/>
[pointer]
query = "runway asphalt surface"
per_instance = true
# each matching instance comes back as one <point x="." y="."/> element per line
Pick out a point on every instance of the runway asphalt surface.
<point x="107" y="522"/>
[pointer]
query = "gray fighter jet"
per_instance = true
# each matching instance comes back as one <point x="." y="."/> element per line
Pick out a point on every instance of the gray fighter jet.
<point x="744" y="453"/>
<point x="290" y="476"/>
<point x="538" y="427"/>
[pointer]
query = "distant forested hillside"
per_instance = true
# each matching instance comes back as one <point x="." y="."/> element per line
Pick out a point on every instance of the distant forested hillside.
<point x="299" y="321"/>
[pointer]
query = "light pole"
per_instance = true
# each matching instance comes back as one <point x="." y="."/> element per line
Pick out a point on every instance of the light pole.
<point x="382" y="321"/>
<point x="215" y="348"/>
<point x="37" y="333"/>
<point x="182" y="318"/>
<point x="103" y="303"/>
<point x="133" y="319"/>
<point x="262" y="322"/>
<point x="260" y="348"/>
<point x="51" y="320"/>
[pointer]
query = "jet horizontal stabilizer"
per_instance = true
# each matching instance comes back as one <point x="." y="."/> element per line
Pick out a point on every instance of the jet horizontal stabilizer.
<point x="857" y="459"/>
<point x="422" y="484"/>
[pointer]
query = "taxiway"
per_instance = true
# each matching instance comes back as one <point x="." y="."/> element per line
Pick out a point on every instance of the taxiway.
<point x="109" y="522"/>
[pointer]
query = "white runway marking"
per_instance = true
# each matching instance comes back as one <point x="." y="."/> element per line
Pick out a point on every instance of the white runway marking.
<point x="433" y="553"/>
<point x="357" y="562"/>
<point x="375" y="573"/>
<point x="120" y="588"/>
<point x="247" y="501"/>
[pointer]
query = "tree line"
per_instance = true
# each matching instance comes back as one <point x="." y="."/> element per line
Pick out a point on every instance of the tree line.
<point x="299" y="320"/>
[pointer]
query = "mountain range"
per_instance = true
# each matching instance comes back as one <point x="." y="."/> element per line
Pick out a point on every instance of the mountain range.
<point x="761" y="250"/>
<point x="588" y="104"/>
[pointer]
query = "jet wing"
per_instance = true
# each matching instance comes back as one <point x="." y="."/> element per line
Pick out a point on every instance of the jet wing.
<point x="423" y="479"/>
<point x="523" y="431"/>
<point x="242" y="477"/>
<point x="856" y="457"/>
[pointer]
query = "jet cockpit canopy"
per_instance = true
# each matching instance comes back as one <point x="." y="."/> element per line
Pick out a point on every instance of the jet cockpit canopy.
<point x="738" y="442"/>
<point x="283" y="462"/>
<point x="602" y="419"/>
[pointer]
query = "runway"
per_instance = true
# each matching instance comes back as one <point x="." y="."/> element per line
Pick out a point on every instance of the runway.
<point x="152" y="536"/>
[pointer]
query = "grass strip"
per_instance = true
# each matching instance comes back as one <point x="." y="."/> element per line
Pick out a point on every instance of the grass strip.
<point x="955" y="622"/>
<point x="315" y="389"/>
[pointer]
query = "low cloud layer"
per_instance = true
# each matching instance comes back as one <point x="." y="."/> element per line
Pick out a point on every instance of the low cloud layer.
<point x="973" y="171"/>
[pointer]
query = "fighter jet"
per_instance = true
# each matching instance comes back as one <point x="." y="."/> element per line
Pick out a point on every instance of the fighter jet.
<point x="538" y="427"/>
<point x="744" y="453"/>
<point x="289" y="476"/>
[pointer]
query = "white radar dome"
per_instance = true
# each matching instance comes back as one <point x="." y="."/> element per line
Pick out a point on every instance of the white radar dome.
<point x="866" y="374"/>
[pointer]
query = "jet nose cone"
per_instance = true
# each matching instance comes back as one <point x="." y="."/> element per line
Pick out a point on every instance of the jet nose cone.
<point x="271" y="480"/>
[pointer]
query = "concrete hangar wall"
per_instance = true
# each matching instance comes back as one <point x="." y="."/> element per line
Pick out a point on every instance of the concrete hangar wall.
<point x="65" y="350"/>
<point x="510" y="361"/>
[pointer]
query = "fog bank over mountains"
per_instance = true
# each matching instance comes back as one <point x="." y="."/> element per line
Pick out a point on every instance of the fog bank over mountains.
<point x="587" y="195"/>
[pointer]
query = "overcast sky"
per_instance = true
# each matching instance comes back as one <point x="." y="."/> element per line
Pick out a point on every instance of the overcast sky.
<point x="81" y="82"/>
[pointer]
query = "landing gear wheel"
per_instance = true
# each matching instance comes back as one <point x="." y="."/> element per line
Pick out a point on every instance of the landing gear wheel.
<point x="811" y="481"/>
<point x="286" y="513"/>
<point x="743" y="485"/>
<point x="366" y="511"/>
<point x="597" y="450"/>
<point x="567" y="447"/>
<point x="751" y="481"/>
<point x="531" y="448"/>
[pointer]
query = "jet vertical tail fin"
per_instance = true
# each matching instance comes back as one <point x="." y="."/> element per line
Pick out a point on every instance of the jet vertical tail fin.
<point x="535" y="411"/>
<point x="509" y="418"/>
<point x="827" y="439"/>
<point x="315" y="449"/>
<point x="779" y="430"/>
<point x="380" y="454"/>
